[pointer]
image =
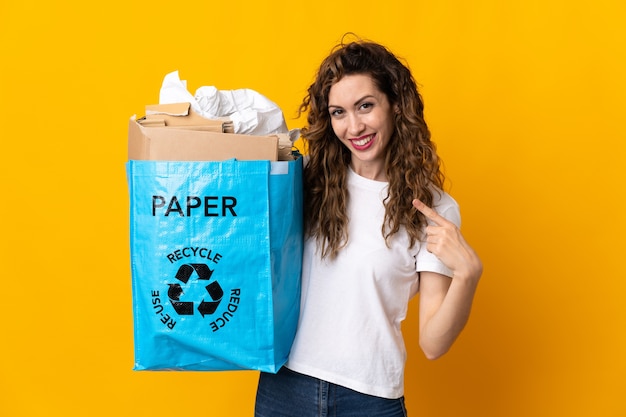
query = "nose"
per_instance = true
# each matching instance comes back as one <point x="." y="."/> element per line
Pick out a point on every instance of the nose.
<point x="355" y="125"/>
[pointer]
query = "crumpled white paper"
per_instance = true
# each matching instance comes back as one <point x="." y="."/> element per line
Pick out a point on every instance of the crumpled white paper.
<point x="250" y="112"/>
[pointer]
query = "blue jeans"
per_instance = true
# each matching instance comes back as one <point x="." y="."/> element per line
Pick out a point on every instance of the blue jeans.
<point x="290" y="394"/>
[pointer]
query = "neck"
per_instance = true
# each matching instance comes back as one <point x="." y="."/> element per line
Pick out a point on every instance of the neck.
<point x="372" y="171"/>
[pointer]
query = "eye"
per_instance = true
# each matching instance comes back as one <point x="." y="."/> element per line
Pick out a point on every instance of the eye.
<point x="335" y="112"/>
<point x="366" y="106"/>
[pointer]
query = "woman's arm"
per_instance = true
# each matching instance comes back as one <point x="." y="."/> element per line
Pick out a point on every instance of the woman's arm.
<point x="445" y="303"/>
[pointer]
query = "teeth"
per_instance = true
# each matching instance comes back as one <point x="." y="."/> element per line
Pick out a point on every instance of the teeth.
<point x="362" y="142"/>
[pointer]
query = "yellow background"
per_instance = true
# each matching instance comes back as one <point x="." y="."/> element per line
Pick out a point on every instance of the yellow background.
<point x="525" y="99"/>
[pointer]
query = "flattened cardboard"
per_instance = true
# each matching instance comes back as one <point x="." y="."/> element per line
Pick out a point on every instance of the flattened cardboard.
<point x="182" y="115"/>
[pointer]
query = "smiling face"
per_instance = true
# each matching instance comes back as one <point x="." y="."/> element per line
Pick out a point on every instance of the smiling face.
<point x="362" y="118"/>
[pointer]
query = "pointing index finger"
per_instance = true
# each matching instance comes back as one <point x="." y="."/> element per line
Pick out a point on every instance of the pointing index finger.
<point x="429" y="212"/>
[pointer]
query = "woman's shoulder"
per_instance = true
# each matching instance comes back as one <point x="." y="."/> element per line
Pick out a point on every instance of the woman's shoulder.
<point x="443" y="198"/>
<point x="446" y="206"/>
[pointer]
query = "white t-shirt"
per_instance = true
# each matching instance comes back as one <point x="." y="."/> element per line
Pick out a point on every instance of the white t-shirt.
<point x="352" y="307"/>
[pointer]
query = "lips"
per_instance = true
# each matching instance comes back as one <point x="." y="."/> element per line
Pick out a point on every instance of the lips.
<point x="362" y="142"/>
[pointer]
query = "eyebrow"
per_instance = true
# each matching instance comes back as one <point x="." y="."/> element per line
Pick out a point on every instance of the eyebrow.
<point x="365" y="97"/>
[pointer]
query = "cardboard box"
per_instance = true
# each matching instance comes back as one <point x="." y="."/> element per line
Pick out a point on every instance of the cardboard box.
<point x="173" y="132"/>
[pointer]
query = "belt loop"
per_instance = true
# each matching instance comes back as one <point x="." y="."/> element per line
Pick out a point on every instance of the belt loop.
<point x="323" y="398"/>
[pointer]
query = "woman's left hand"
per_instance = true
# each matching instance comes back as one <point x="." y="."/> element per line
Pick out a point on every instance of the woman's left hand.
<point x="446" y="242"/>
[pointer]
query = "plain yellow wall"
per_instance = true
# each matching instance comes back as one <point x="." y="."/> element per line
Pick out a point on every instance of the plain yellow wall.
<point x="525" y="99"/>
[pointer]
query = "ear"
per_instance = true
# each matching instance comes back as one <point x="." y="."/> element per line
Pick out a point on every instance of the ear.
<point x="396" y="108"/>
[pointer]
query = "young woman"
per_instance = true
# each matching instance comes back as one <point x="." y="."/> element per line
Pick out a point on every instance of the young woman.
<point x="372" y="242"/>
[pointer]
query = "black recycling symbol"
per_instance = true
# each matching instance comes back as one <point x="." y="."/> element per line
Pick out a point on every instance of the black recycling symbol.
<point x="185" y="308"/>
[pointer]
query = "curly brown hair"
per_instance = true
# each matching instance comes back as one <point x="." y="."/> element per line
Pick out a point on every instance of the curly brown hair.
<point x="412" y="165"/>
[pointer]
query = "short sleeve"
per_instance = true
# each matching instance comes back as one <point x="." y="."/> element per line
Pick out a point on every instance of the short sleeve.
<point x="425" y="261"/>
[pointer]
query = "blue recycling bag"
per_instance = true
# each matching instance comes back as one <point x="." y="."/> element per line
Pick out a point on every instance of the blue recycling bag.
<point x="216" y="255"/>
